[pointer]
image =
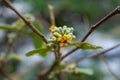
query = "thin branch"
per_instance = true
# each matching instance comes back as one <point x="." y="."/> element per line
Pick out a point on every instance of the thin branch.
<point x="8" y="4"/>
<point x="95" y="54"/>
<point x="86" y="22"/>
<point x="57" y="51"/>
<point x="70" y="52"/>
<point x="3" y="61"/>
<point x="114" y="12"/>
<point x="42" y="76"/>
<point x="109" y="68"/>
<point x="7" y="53"/>
<point x="56" y="62"/>
<point x="111" y="14"/>
<point x="51" y="11"/>
<point x="11" y="44"/>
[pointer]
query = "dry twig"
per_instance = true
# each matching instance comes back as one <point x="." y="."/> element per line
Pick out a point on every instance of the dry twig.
<point x="8" y="4"/>
<point x="95" y="54"/>
<point x="109" y="68"/>
<point x="92" y="28"/>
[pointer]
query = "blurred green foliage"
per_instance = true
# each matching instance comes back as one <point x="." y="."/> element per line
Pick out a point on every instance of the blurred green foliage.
<point x="36" y="39"/>
<point x="89" y="7"/>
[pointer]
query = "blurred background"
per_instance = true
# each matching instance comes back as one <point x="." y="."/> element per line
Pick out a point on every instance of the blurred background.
<point x="80" y="14"/>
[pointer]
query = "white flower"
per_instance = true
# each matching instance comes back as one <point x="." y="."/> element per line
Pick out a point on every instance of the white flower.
<point x="61" y="34"/>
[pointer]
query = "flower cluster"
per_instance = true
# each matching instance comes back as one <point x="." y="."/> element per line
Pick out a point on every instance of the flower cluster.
<point x="61" y="34"/>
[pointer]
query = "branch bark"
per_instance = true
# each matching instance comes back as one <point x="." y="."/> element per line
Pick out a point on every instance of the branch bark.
<point x="109" y="68"/>
<point x="56" y="62"/>
<point x="92" y="28"/>
<point x="51" y="11"/>
<point x="42" y="76"/>
<point x="112" y="13"/>
<point x="8" y="4"/>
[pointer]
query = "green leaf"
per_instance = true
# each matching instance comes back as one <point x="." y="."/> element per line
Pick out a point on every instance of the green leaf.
<point x="38" y="42"/>
<point x="7" y="27"/>
<point x="41" y="51"/>
<point x="83" y="71"/>
<point x="73" y="69"/>
<point x="70" y="66"/>
<point x="77" y="44"/>
<point x="89" y="46"/>
<point x="84" y="45"/>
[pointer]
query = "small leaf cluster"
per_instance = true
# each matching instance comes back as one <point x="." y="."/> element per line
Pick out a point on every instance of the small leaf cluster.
<point x="70" y="69"/>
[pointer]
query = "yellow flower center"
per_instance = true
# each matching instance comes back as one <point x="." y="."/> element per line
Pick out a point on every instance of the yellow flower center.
<point x="65" y="38"/>
<point x="52" y="27"/>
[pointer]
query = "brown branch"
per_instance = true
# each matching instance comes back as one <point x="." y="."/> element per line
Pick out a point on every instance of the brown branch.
<point x="56" y="62"/>
<point x="112" y="13"/>
<point x="57" y="51"/>
<point x="42" y="76"/>
<point x="70" y="52"/>
<point x="8" y="4"/>
<point x="95" y="54"/>
<point x="109" y="68"/>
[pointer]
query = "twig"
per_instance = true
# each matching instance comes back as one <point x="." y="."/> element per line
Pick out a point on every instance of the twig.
<point x="70" y="52"/>
<point x="8" y="4"/>
<point x="57" y="51"/>
<point x="42" y="76"/>
<point x="52" y="19"/>
<point x="51" y="11"/>
<point x="56" y="62"/>
<point x="89" y="32"/>
<point x="112" y="13"/>
<point x="3" y="61"/>
<point x="11" y="44"/>
<point x="109" y="68"/>
<point x="86" y="23"/>
<point x="95" y="54"/>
